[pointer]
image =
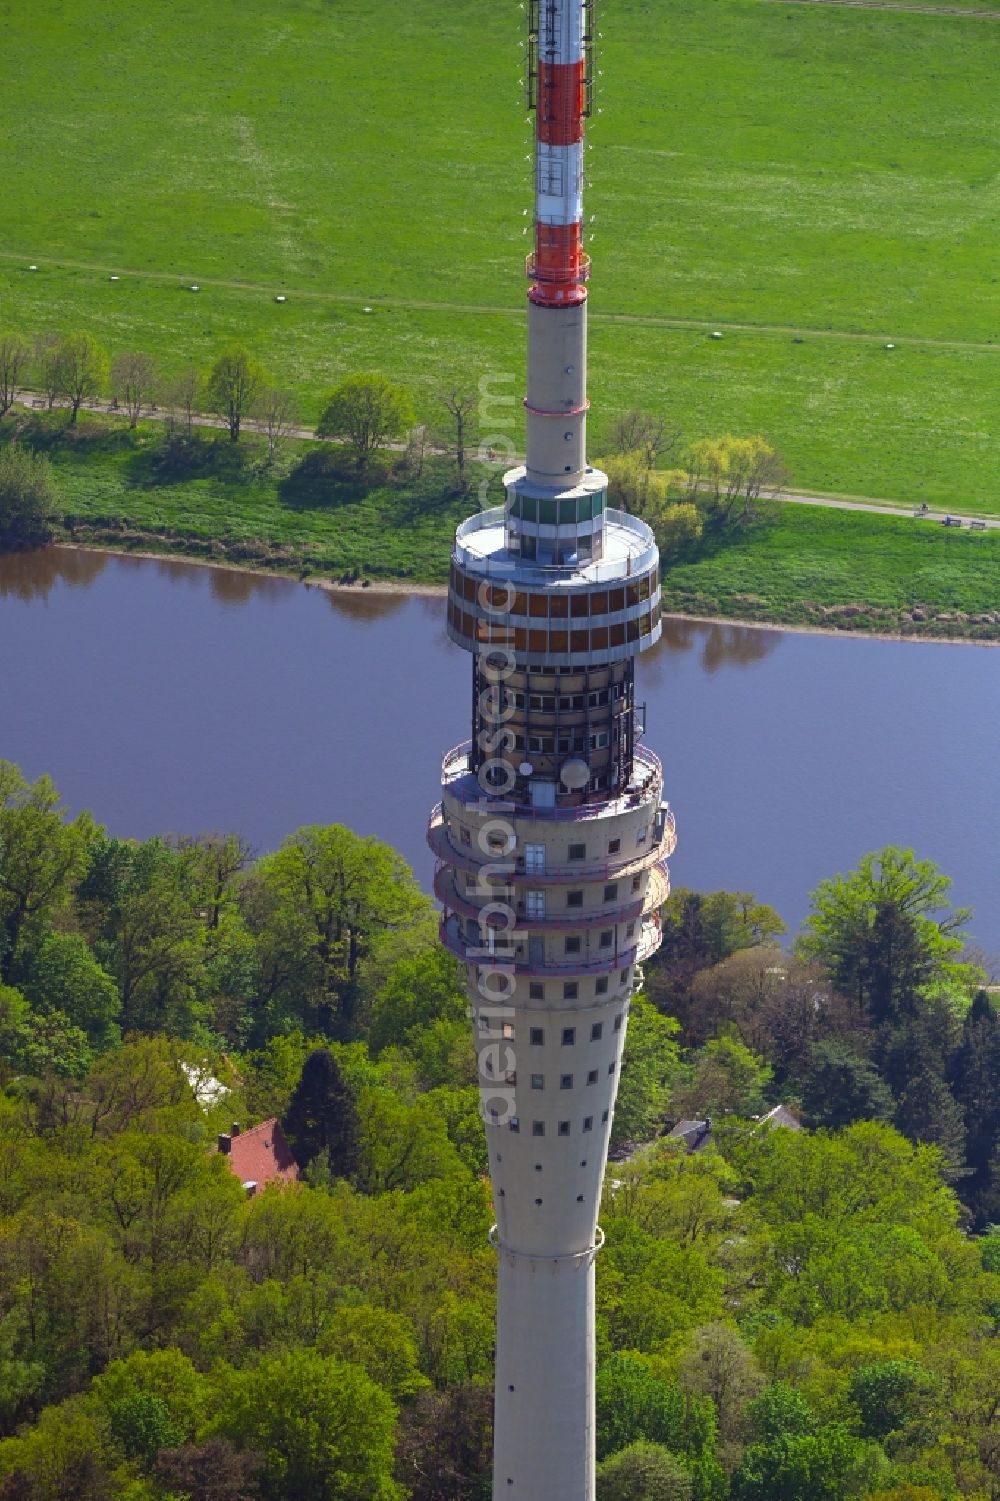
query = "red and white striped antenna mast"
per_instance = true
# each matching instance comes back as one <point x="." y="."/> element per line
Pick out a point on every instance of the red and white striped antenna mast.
<point x="560" y="92"/>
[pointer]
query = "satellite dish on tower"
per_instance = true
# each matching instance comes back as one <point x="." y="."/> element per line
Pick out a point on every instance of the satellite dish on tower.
<point x="575" y="774"/>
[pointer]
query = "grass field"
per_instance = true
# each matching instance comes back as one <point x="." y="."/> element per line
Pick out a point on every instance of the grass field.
<point x="809" y="172"/>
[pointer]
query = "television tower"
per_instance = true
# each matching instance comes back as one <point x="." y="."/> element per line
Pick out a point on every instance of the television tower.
<point x="552" y="836"/>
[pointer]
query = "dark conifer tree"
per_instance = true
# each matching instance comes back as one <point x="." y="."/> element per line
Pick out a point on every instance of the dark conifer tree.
<point x="975" y="1078"/>
<point x="322" y="1116"/>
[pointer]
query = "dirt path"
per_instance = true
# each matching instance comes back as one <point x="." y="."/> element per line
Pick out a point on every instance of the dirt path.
<point x="33" y="400"/>
<point x="515" y="310"/>
<point x="904" y="5"/>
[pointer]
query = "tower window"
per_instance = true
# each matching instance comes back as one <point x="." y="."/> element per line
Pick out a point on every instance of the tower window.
<point x="579" y="1198"/>
<point x="611" y="1066"/>
<point x="611" y="891"/>
<point x="596" y="1031"/>
<point x="618" y="1022"/>
<point x="534" y="903"/>
<point x="568" y="1037"/>
<point x="592" y="1076"/>
<point x="570" y="990"/>
<point x="538" y="1081"/>
<point x="534" y="857"/>
<point x="630" y="930"/>
<point x="607" y="938"/>
<point x="573" y="945"/>
<point x="578" y="852"/>
<point x="574" y="898"/>
<point x="625" y="976"/>
<point x="515" y="1124"/>
<point x="538" y="1128"/>
<point x="536" y="992"/>
<point x="614" y="845"/>
<point x="604" y="1116"/>
<point x="564" y="1128"/>
<point x="636" y="882"/>
<point x="602" y="985"/>
<point x="588" y="1123"/>
<point x="565" y="1081"/>
<point x="536" y="1036"/>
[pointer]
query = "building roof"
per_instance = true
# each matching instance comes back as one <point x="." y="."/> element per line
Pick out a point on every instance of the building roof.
<point x="694" y="1134"/>
<point x="781" y="1116"/>
<point x="260" y="1155"/>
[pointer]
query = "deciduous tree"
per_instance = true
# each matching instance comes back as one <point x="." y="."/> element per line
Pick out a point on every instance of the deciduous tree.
<point x="14" y="356"/>
<point x="82" y="370"/>
<point x="232" y="386"/>
<point x="133" y="377"/>
<point x="366" y="411"/>
<point x="276" y="412"/>
<point x="27" y="499"/>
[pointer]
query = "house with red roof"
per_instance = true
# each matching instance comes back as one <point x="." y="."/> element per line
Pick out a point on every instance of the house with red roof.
<point x="260" y="1155"/>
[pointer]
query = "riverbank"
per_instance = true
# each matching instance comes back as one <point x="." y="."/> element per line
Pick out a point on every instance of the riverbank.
<point x="310" y="516"/>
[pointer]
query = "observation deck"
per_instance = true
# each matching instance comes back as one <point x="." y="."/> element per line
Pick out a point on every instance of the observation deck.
<point x="458" y="781"/>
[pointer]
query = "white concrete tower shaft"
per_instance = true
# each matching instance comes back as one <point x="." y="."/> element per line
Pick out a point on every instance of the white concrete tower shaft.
<point x="552" y="834"/>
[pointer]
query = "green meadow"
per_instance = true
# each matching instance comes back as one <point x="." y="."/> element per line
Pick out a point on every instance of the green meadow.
<point x="812" y="181"/>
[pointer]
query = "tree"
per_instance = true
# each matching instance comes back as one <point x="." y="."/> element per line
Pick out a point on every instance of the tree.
<point x="975" y="1078"/>
<point x="64" y="976"/>
<point x="828" y="1465"/>
<point x="719" y="1365"/>
<point x="460" y="407"/>
<point x="841" y="1087"/>
<point x="644" y="1472"/>
<point x="323" y="1428"/>
<point x="676" y="527"/>
<point x="133" y="376"/>
<point x="876" y="934"/>
<point x="212" y="1471"/>
<point x="27" y="499"/>
<point x="14" y="355"/>
<point x="644" y="433"/>
<point x="141" y="1424"/>
<point x="322" y="1116"/>
<point x="318" y="904"/>
<point x="727" y="1079"/>
<point x="276" y="412"/>
<point x="633" y="486"/>
<point x="147" y="934"/>
<point x="366" y="410"/>
<point x="46" y="364"/>
<point x="888" y="1394"/>
<point x="419" y="990"/>
<point x="732" y="473"/>
<point x="182" y="396"/>
<point x="650" y="1065"/>
<point x="42" y="855"/>
<point x="232" y="387"/>
<point x="445" y="1444"/>
<point x="82" y="370"/>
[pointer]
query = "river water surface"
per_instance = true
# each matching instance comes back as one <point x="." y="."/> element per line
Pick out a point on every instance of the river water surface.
<point x="173" y="698"/>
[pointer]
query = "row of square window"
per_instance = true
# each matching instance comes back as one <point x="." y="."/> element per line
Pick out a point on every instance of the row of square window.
<point x="565" y="1080"/>
<point x="534" y="854"/>
<point x="571" y="989"/>
<point x="546" y="703"/>
<point x="536" y="1035"/>
<point x="557" y="605"/>
<point x="563" y="1128"/>
<point x="534" y="901"/>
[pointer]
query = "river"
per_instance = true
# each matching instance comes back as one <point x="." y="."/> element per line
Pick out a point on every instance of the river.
<point x="173" y="698"/>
